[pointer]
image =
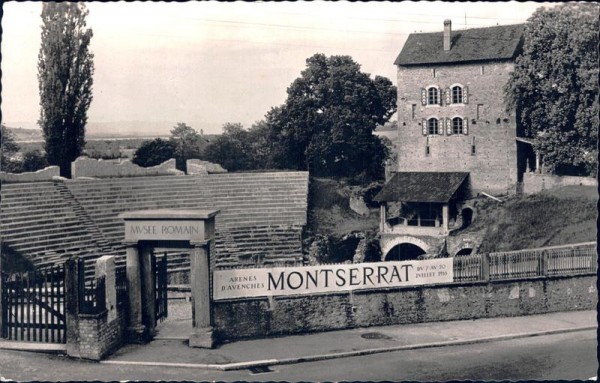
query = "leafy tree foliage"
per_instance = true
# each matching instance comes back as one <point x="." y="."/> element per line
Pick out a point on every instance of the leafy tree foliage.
<point x="188" y="144"/>
<point x="34" y="161"/>
<point x="327" y="121"/>
<point x="554" y="87"/>
<point x="232" y="149"/>
<point x="154" y="152"/>
<point x="65" y="70"/>
<point x="8" y="150"/>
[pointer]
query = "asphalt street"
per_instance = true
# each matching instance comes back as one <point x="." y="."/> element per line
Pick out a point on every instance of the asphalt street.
<point x="562" y="356"/>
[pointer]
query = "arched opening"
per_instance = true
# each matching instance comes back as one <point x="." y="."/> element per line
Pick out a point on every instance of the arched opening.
<point x="465" y="251"/>
<point x="467" y="217"/>
<point x="404" y="252"/>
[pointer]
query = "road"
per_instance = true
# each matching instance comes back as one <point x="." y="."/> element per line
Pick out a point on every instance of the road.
<point x="563" y="356"/>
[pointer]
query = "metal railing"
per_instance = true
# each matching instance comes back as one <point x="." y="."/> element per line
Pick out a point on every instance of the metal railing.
<point x="528" y="263"/>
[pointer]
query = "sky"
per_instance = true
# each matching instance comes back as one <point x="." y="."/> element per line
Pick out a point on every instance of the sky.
<point x="208" y="63"/>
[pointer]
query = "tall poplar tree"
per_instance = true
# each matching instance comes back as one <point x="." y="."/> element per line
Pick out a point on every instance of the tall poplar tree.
<point x="65" y="70"/>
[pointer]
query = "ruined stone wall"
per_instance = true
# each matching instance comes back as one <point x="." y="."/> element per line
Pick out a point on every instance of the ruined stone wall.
<point x="246" y="318"/>
<point x="89" y="167"/>
<point x="45" y="174"/>
<point x="493" y="167"/>
<point x="535" y="183"/>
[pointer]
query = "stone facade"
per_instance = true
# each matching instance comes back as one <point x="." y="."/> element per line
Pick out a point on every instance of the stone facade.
<point x="491" y="131"/>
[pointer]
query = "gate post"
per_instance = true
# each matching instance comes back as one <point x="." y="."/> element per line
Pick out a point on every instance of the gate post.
<point x="72" y="306"/>
<point x="202" y="335"/>
<point x="136" y="331"/>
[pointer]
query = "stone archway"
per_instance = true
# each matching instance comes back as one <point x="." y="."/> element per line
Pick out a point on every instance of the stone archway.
<point x="149" y="229"/>
<point x="464" y="251"/>
<point x="388" y="244"/>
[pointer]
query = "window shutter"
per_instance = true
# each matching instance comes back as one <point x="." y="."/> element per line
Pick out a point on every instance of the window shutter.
<point x="465" y="126"/>
<point x="448" y="96"/>
<point x="424" y="126"/>
<point x="440" y="96"/>
<point x="465" y="95"/>
<point x="423" y="96"/>
<point x="448" y="126"/>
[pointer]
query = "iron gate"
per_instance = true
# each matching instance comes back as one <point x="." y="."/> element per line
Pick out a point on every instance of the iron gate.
<point x="160" y="265"/>
<point x="33" y="305"/>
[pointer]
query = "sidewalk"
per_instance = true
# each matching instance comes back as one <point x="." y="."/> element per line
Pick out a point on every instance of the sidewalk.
<point x="170" y="347"/>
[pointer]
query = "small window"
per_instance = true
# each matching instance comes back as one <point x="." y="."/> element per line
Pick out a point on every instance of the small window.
<point x="457" y="94"/>
<point x="433" y="96"/>
<point x="414" y="110"/>
<point x="457" y="125"/>
<point x="432" y="126"/>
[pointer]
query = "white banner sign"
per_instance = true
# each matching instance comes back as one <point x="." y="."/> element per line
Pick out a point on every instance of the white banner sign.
<point x="241" y="283"/>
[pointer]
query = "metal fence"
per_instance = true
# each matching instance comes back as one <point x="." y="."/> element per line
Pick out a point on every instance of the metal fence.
<point x="541" y="262"/>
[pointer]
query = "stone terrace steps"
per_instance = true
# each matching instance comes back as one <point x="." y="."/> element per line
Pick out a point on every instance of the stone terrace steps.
<point x="244" y="199"/>
<point x="262" y="214"/>
<point x="37" y="221"/>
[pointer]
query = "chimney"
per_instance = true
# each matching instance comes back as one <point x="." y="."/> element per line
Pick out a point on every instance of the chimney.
<point x="447" y="34"/>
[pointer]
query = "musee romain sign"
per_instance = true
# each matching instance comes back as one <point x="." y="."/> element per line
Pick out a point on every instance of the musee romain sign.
<point x="241" y="283"/>
<point x="168" y="225"/>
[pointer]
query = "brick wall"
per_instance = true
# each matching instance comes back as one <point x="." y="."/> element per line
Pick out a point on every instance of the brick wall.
<point x="493" y="168"/>
<point x="235" y="319"/>
<point x="98" y="337"/>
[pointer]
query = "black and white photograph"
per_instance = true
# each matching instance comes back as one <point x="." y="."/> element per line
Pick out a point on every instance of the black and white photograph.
<point x="316" y="191"/>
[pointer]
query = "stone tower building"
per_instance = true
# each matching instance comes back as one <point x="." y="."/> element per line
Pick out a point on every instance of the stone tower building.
<point x="455" y="136"/>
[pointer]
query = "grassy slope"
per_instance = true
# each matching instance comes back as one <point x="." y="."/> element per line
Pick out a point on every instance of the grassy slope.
<point x="554" y="217"/>
<point x="329" y="210"/>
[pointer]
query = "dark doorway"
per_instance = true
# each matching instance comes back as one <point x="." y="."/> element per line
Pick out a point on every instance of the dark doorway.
<point x="465" y="251"/>
<point x="467" y="217"/>
<point x="404" y="252"/>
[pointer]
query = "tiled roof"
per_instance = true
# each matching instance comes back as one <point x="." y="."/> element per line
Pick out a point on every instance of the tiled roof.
<point x="478" y="44"/>
<point x="421" y="187"/>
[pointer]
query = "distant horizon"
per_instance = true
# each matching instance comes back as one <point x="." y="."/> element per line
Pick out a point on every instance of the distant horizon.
<point x="132" y="126"/>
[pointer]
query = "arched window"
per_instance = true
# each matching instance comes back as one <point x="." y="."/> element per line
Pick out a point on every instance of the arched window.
<point x="457" y="125"/>
<point x="457" y="94"/>
<point x="432" y="126"/>
<point x="433" y="96"/>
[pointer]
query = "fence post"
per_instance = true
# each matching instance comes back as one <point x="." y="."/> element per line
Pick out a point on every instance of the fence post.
<point x="105" y="267"/>
<point x="545" y="261"/>
<point x="485" y="267"/>
<point x="72" y="305"/>
<point x="594" y="265"/>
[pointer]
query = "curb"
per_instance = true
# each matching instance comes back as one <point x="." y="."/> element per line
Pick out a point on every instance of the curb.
<point x="50" y="348"/>
<point x="314" y="358"/>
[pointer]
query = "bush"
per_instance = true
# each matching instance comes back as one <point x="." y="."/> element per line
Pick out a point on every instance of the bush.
<point x="34" y="161"/>
<point x="154" y="152"/>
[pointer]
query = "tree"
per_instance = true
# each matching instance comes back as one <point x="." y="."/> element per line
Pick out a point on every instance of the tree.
<point x="34" y="161"/>
<point x="155" y="152"/>
<point x="326" y="124"/>
<point x="232" y="149"/>
<point x="65" y="70"/>
<point x="554" y="87"/>
<point x="8" y="151"/>
<point x="188" y="144"/>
